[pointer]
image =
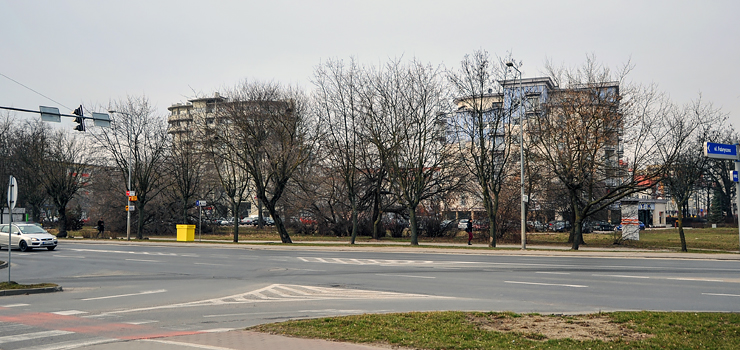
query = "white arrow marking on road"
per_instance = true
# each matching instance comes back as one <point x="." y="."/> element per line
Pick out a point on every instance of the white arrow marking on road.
<point x="128" y="295"/>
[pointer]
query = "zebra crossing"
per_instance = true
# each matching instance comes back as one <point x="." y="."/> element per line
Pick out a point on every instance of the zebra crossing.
<point x="380" y="262"/>
<point x="16" y="336"/>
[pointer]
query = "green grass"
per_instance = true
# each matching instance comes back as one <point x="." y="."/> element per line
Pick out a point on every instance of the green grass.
<point x="713" y="239"/>
<point x="455" y="330"/>
<point x="14" y="285"/>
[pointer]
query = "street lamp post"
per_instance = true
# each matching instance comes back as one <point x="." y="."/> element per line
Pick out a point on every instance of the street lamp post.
<point x="521" y="157"/>
<point x="128" y="201"/>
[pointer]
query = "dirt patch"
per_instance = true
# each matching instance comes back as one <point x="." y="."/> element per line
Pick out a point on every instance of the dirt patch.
<point x="581" y="327"/>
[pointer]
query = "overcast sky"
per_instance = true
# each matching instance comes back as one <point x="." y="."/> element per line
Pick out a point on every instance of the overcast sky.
<point x="90" y="52"/>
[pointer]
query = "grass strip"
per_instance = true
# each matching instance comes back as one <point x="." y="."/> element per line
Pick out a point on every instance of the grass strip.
<point x="496" y="330"/>
<point x="15" y="285"/>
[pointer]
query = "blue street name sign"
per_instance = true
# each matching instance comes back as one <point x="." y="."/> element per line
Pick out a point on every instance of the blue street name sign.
<point x="720" y="150"/>
<point x="734" y="176"/>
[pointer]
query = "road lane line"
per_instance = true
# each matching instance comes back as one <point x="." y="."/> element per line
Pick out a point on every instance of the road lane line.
<point x="410" y="276"/>
<point x="74" y="344"/>
<point x="209" y="264"/>
<point x="191" y="345"/>
<point x="15" y="305"/>
<point x="30" y="336"/>
<point x="143" y="260"/>
<point x="127" y="295"/>
<point x="136" y="323"/>
<point x="693" y="279"/>
<point x="553" y="273"/>
<point x="621" y="276"/>
<point x="549" y="284"/>
<point x="69" y="312"/>
<point x="722" y="295"/>
<point x="68" y="256"/>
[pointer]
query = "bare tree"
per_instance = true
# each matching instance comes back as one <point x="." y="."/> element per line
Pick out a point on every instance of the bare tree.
<point x="269" y="129"/>
<point x="691" y="164"/>
<point x="135" y="128"/>
<point x="185" y="164"/>
<point x="483" y="128"/>
<point x="409" y="129"/>
<point x="63" y="163"/>
<point x="30" y="145"/>
<point x="588" y="122"/>
<point x="339" y="108"/>
<point x="234" y="180"/>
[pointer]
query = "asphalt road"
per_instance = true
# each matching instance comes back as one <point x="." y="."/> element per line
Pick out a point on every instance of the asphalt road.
<point x="118" y="291"/>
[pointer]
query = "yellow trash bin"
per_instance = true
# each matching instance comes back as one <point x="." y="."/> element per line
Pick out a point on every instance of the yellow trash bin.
<point x="185" y="233"/>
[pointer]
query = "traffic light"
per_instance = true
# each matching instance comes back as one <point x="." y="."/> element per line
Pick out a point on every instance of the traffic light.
<point x="80" y="119"/>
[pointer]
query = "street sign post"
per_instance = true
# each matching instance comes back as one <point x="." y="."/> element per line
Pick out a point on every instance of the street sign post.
<point x="720" y="150"/>
<point x="730" y="152"/>
<point x="12" y="198"/>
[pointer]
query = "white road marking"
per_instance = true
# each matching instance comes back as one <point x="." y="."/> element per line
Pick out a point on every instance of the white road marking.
<point x="347" y="261"/>
<point x="621" y="276"/>
<point x="128" y="295"/>
<point x="554" y="273"/>
<point x="74" y="344"/>
<point x="15" y="305"/>
<point x="141" y="322"/>
<point x="218" y="330"/>
<point x="333" y="311"/>
<point x="409" y="276"/>
<point x="30" y="336"/>
<point x="289" y="292"/>
<point x="69" y="312"/>
<point x="549" y="284"/>
<point x="722" y="295"/>
<point x="68" y="256"/>
<point x="210" y="264"/>
<point x="143" y="260"/>
<point x="197" y="346"/>
<point x="693" y="279"/>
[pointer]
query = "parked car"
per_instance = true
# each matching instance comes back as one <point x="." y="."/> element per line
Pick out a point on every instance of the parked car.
<point x="247" y="221"/>
<point x="462" y="224"/>
<point x="535" y="226"/>
<point x="602" y="226"/>
<point x="268" y="221"/>
<point x="480" y="225"/>
<point x="26" y="237"/>
<point x="226" y="222"/>
<point x="558" y="226"/>
<point x="446" y="224"/>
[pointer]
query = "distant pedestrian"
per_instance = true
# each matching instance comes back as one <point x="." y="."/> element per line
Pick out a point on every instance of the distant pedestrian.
<point x="101" y="228"/>
<point x="469" y="230"/>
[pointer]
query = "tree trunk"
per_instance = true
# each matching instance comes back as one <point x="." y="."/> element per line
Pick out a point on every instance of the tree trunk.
<point x="412" y="227"/>
<point x="354" y="223"/>
<point x="62" y="224"/>
<point x="235" y="216"/>
<point x="679" y="220"/>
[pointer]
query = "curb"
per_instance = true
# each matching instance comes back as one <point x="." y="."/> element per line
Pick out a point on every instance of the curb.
<point x="30" y="291"/>
<point x="4" y="264"/>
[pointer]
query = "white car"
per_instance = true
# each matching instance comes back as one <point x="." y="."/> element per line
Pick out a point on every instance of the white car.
<point x="463" y="224"/>
<point x="26" y="237"/>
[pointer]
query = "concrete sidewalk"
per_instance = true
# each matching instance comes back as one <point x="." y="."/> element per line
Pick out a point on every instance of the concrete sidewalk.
<point x="441" y="248"/>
